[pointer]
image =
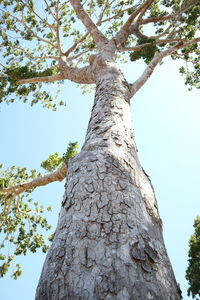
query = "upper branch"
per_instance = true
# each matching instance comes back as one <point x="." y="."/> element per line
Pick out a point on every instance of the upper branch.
<point x="123" y="34"/>
<point x="58" y="27"/>
<point x="156" y="60"/>
<point x="76" y="44"/>
<point x="37" y="15"/>
<point x="97" y="35"/>
<point x="169" y="17"/>
<point x="28" y="28"/>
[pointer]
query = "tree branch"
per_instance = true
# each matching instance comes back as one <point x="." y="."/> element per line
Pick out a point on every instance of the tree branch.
<point x="42" y="79"/>
<point x="157" y="59"/>
<point x="166" y="18"/>
<point x="79" y="75"/>
<point x="76" y="44"/>
<point x="57" y="175"/>
<point x="97" y="35"/>
<point x="28" y="28"/>
<point x="143" y="11"/>
<point x="99" y="22"/>
<point x="49" y="8"/>
<point x="83" y="75"/>
<point x="58" y="27"/>
<point x="37" y="15"/>
<point x="32" y="57"/>
<point x="156" y="42"/>
<point x="124" y="33"/>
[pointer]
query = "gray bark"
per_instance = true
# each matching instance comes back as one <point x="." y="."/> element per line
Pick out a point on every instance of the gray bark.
<point x="108" y="242"/>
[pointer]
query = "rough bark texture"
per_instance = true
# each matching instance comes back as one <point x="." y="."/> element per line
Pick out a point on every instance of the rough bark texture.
<point x="108" y="242"/>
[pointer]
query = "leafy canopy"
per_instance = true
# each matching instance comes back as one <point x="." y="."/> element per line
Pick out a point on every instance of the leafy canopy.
<point x="193" y="270"/>
<point x="34" y="34"/>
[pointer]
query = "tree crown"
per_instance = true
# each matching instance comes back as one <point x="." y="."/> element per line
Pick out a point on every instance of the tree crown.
<point x="192" y="273"/>
<point x="49" y="41"/>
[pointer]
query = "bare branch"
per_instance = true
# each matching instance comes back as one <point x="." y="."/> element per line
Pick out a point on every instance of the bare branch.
<point x="3" y="66"/>
<point x="78" y="42"/>
<point x="134" y="48"/>
<point x="57" y="175"/>
<point x="134" y="29"/>
<point x="97" y="35"/>
<point x="120" y="13"/>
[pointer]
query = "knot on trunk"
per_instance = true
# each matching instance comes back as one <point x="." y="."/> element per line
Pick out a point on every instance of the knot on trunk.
<point x="145" y="254"/>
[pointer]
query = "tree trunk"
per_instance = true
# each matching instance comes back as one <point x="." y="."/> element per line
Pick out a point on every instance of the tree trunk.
<point x="108" y="242"/>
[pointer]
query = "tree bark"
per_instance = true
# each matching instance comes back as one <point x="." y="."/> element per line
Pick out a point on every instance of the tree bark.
<point x="108" y="243"/>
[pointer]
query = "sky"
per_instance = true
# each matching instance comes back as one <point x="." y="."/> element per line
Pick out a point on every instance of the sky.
<point x="166" y="125"/>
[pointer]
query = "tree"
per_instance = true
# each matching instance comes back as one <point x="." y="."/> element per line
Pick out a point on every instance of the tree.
<point x="192" y="273"/>
<point x="109" y="243"/>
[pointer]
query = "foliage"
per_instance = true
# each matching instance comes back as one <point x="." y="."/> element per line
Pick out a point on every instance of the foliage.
<point x="52" y="162"/>
<point x="21" y="219"/>
<point x="9" y="85"/>
<point x="34" y="34"/>
<point x="72" y="150"/>
<point x="55" y="160"/>
<point x="147" y="52"/>
<point x="193" y="270"/>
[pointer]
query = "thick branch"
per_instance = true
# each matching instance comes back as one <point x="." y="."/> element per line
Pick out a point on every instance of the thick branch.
<point x="134" y="29"/>
<point x="143" y="11"/>
<point x="58" y="175"/>
<point x="97" y="35"/>
<point x="99" y="22"/>
<point x="122" y="36"/>
<point x="79" y="75"/>
<point x="42" y="79"/>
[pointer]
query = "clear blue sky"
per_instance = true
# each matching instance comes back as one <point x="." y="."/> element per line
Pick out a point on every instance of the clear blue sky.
<point x="166" y="122"/>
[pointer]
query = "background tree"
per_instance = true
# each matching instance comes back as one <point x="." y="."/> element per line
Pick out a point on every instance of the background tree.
<point x="142" y="41"/>
<point x="192" y="273"/>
